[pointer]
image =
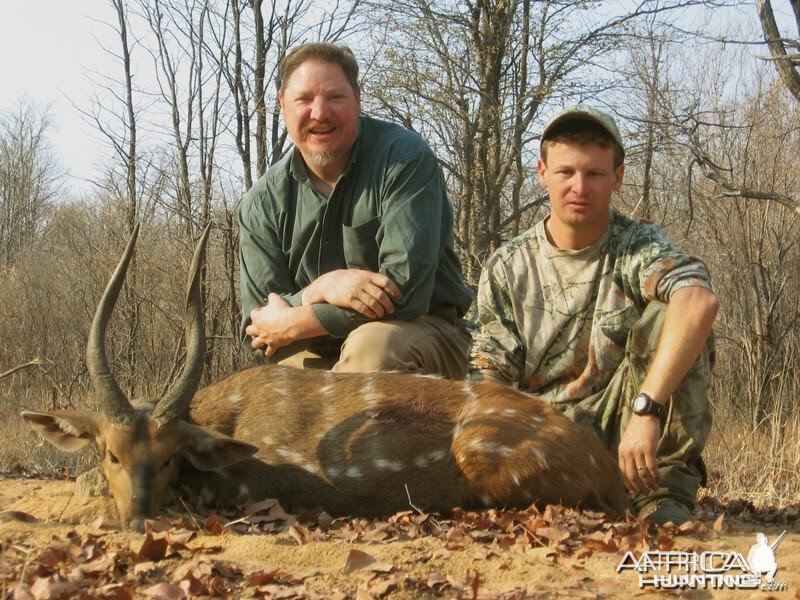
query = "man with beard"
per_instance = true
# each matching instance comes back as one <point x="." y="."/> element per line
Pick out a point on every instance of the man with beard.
<point x="346" y="253"/>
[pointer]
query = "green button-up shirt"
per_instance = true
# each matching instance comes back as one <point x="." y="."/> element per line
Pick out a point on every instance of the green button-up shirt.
<point x="388" y="213"/>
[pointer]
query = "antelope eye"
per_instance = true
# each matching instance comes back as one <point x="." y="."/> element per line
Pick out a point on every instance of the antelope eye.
<point x="112" y="458"/>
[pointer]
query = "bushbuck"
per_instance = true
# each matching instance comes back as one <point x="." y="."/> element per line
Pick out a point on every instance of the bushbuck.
<point x="354" y="444"/>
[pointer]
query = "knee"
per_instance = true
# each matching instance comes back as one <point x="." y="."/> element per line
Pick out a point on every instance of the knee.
<point x="375" y="346"/>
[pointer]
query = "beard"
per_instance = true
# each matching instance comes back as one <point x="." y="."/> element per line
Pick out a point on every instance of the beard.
<point x="322" y="159"/>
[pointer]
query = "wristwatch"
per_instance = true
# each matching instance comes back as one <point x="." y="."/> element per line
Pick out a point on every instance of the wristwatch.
<point x="642" y="404"/>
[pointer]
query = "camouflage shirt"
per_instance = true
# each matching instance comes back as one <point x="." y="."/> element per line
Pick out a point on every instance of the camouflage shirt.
<point x="556" y="321"/>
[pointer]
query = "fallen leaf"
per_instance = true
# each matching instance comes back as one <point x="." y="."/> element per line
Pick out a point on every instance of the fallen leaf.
<point x="375" y="535"/>
<point x="165" y="591"/>
<point x="298" y="533"/>
<point x="153" y="548"/>
<point x="46" y="588"/>
<point x="193" y="586"/>
<point x="357" y="560"/>
<point x="181" y="536"/>
<point x="213" y="525"/>
<point x="554" y="534"/>
<point x="324" y="520"/>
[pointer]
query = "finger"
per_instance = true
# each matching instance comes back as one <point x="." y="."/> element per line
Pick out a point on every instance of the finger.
<point x="389" y="286"/>
<point x="633" y="474"/>
<point x="258" y="342"/>
<point x="653" y="475"/>
<point x="269" y="351"/>
<point x="373" y="303"/>
<point x="251" y="331"/>
<point x="375" y="292"/>
<point x="642" y="474"/>
<point x="625" y="468"/>
<point x="358" y="306"/>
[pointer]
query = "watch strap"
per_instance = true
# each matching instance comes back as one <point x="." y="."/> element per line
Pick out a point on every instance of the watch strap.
<point x="651" y="407"/>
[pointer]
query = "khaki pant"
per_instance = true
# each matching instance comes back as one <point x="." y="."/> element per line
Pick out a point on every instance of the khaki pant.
<point x="428" y="344"/>
<point x="684" y="427"/>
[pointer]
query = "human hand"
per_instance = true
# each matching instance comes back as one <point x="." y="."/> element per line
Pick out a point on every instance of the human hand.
<point x="270" y="325"/>
<point x="371" y="294"/>
<point x="637" y="453"/>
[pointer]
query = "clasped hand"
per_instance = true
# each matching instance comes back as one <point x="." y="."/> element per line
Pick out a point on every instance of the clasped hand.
<point x="371" y="294"/>
<point x="270" y="325"/>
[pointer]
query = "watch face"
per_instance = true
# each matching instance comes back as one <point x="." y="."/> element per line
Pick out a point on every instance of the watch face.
<point x="639" y="403"/>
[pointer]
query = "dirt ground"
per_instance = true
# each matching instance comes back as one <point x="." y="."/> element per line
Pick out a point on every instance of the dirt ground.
<point x="421" y="561"/>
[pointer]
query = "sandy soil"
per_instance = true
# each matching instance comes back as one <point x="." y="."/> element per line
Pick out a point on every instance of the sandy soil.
<point x="321" y="563"/>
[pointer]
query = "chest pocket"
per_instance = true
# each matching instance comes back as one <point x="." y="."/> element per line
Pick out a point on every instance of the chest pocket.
<point x="361" y="245"/>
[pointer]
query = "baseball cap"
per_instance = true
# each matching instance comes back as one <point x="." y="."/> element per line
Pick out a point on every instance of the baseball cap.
<point x="581" y="112"/>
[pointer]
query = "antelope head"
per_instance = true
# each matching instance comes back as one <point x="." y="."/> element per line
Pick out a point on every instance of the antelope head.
<point x="141" y="444"/>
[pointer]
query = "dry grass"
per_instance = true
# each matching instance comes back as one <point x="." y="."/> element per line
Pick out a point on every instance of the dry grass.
<point x="23" y="451"/>
<point x="759" y="465"/>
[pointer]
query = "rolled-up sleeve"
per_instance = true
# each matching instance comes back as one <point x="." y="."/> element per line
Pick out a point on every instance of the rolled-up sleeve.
<point x="658" y="268"/>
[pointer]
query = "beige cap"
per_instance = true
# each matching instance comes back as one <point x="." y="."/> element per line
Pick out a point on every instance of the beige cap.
<point x="580" y="112"/>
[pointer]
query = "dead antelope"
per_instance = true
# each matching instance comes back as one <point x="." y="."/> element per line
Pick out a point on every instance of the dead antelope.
<point x="357" y="444"/>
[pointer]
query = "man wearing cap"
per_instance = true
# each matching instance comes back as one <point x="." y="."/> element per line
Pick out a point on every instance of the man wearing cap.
<point x="346" y="243"/>
<point x="605" y="318"/>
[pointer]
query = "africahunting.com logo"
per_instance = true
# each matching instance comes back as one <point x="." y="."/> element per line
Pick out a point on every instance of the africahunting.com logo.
<point x="708" y="570"/>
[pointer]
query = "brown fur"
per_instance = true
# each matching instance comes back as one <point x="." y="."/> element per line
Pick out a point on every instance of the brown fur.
<point x="351" y="443"/>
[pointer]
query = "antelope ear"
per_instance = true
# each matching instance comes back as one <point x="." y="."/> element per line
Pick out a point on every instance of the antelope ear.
<point x="207" y="449"/>
<point x="66" y="430"/>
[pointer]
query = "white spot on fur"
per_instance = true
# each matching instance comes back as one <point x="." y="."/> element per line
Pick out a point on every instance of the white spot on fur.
<point x="489" y="411"/>
<point x="509" y="412"/>
<point x="478" y="445"/>
<point x="437" y="455"/>
<point x="593" y="461"/>
<point x="354" y="472"/>
<point x="329" y="387"/>
<point x="387" y="465"/>
<point x="493" y="448"/>
<point x="244" y="491"/>
<point x="516" y="478"/>
<point x="486" y="499"/>
<point x="332" y="472"/>
<point x="235" y="398"/>
<point x="539" y="457"/>
<point x="429" y="375"/>
<point x="368" y="391"/>
<point x="268" y="441"/>
<point x="296" y="458"/>
<point x="469" y="393"/>
<point x="421" y="461"/>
